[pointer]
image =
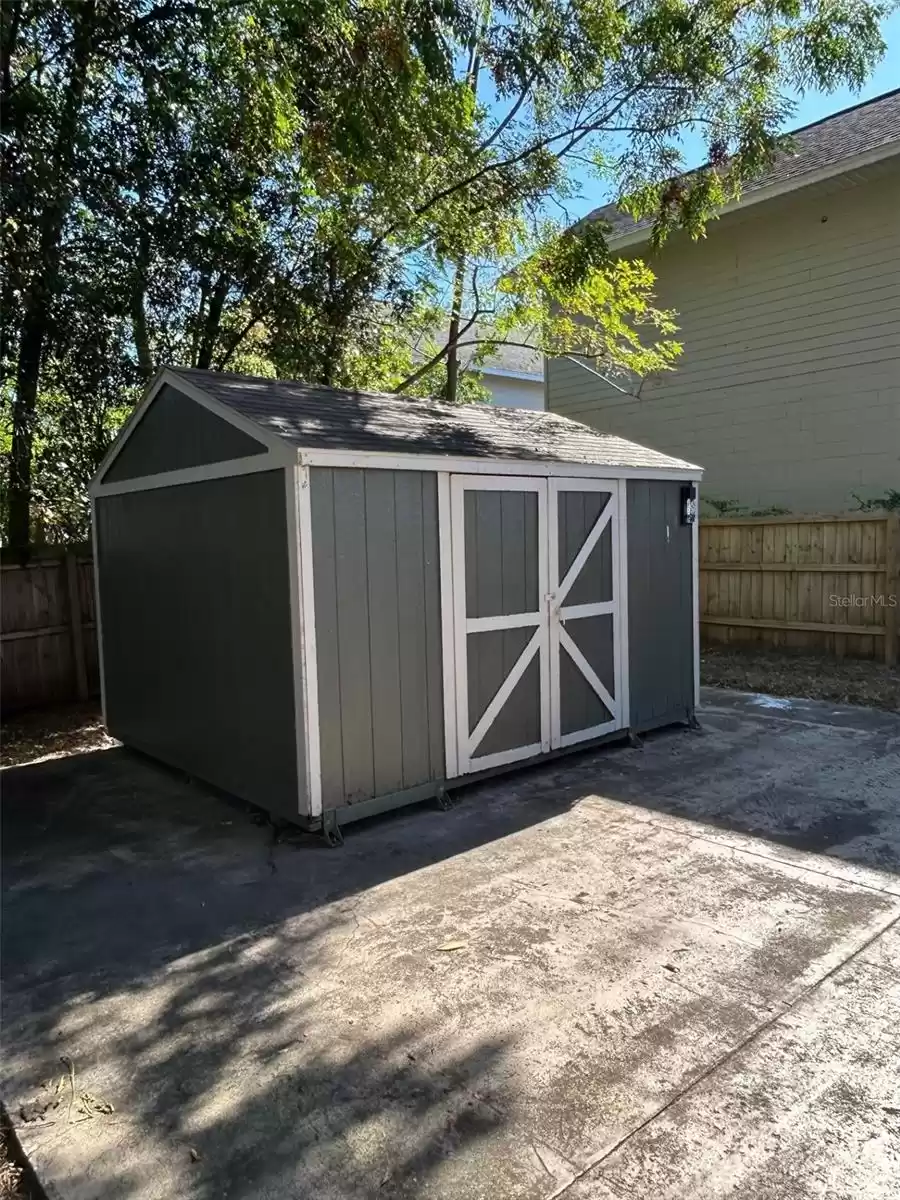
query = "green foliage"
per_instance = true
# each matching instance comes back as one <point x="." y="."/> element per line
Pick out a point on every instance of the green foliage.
<point x="731" y="508"/>
<point x="889" y="502"/>
<point x="296" y="187"/>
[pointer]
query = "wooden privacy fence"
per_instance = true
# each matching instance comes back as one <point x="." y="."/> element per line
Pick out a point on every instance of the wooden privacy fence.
<point x="48" y="640"/>
<point x="823" y="584"/>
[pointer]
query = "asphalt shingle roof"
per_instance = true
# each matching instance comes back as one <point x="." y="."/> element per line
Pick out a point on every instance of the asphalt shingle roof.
<point x="826" y="143"/>
<point x="315" y="417"/>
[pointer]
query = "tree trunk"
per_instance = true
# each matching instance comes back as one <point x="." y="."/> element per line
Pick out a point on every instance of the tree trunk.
<point x="451" y="389"/>
<point x="212" y="322"/>
<point x="139" y="328"/>
<point x="45" y="280"/>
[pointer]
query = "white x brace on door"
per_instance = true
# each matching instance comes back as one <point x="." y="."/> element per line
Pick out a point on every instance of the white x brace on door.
<point x="537" y="659"/>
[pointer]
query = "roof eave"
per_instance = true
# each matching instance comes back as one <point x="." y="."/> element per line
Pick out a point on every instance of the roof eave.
<point x="759" y="195"/>
<point x="509" y="373"/>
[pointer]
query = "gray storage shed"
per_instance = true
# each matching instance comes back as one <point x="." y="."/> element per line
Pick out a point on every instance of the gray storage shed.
<point x="330" y="603"/>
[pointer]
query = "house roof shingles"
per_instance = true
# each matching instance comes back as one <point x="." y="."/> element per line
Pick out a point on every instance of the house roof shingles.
<point x="315" y="417"/>
<point x="826" y="143"/>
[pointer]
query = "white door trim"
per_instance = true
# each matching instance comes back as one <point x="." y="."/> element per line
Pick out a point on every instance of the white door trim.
<point x="587" y="671"/>
<point x="490" y="714"/>
<point x="560" y="640"/>
<point x="513" y="621"/>
<point x="461" y="756"/>
<point x="590" y="542"/>
<point x="549" y="637"/>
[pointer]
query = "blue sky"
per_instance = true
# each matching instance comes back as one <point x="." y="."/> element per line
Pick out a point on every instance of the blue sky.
<point x="811" y="107"/>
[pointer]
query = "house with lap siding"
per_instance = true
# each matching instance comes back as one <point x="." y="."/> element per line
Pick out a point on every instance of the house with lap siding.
<point x="788" y="390"/>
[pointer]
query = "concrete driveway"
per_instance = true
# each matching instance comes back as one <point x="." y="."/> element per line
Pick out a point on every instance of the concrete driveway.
<point x="677" y="975"/>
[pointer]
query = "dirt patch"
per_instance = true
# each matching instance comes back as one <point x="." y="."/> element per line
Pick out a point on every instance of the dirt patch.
<point x="53" y="733"/>
<point x="813" y="677"/>
<point x="12" y="1176"/>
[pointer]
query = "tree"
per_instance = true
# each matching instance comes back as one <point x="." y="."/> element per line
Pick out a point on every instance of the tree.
<point x="293" y="186"/>
<point x="610" y="88"/>
<point x="213" y="165"/>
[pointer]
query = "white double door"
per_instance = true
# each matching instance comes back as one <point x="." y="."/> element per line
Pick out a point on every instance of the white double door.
<point x="536" y="620"/>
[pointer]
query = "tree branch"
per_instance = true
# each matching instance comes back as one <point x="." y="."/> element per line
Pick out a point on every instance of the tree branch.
<point x="436" y="358"/>
<point x="575" y="134"/>
<point x="511" y="115"/>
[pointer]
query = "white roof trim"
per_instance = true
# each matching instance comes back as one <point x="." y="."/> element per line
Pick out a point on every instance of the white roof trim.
<point x="168" y="375"/>
<point x="757" y="196"/>
<point x="505" y="373"/>
<point x="528" y="467"/>
<point x="282" y="452"/>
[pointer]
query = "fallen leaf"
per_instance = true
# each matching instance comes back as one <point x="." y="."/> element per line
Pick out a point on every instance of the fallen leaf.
<point x="447" y="946"/>
<point x="89" y="1104"/>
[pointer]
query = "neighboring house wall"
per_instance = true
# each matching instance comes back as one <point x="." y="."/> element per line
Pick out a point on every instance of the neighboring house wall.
<point x="788" y="391"/>
<point x="515" y="393"/>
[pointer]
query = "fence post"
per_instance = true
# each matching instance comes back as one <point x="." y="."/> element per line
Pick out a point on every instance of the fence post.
<point x="892" y="588"/>
<point x="76" y="622"/>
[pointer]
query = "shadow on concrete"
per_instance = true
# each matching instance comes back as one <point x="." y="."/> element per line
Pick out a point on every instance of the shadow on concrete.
<point x="147" y="865"/>
<point x="217" y="1077"/>
<point x="115" y="867"/>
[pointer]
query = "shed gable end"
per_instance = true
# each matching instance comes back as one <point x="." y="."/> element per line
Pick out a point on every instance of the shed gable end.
<point x="174" y="433"/>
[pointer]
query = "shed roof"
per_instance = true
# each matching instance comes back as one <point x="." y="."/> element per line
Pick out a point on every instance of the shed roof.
<point x="315" y="417"/>
<point x="828" y="145"/>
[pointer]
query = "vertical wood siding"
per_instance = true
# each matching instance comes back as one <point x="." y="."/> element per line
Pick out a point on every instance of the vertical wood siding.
<point x="660" y="605"/>
<point x="378" y="633"/>
<point x="195" y="611"/>
<point x="788" y="390"/>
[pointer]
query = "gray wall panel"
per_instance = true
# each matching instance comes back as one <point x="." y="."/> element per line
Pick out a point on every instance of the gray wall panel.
<point x="492" y="654"/>
<point x="434" y="673"/>
<point x="579" y="706"/>
<point x="660" y="609"/>
<point x="378" y="636"/>
<point x="501" y="553"/>
<point x="417" y="563"/>
<point x="331" y="747"/>
<point x="352" y="567"/>
<point x="578" y="513"/>
<point x="384" y="597"/>
<point x="174" y="433"/>
<point x="195" y="608"/>
<point x="519" y="720"/>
